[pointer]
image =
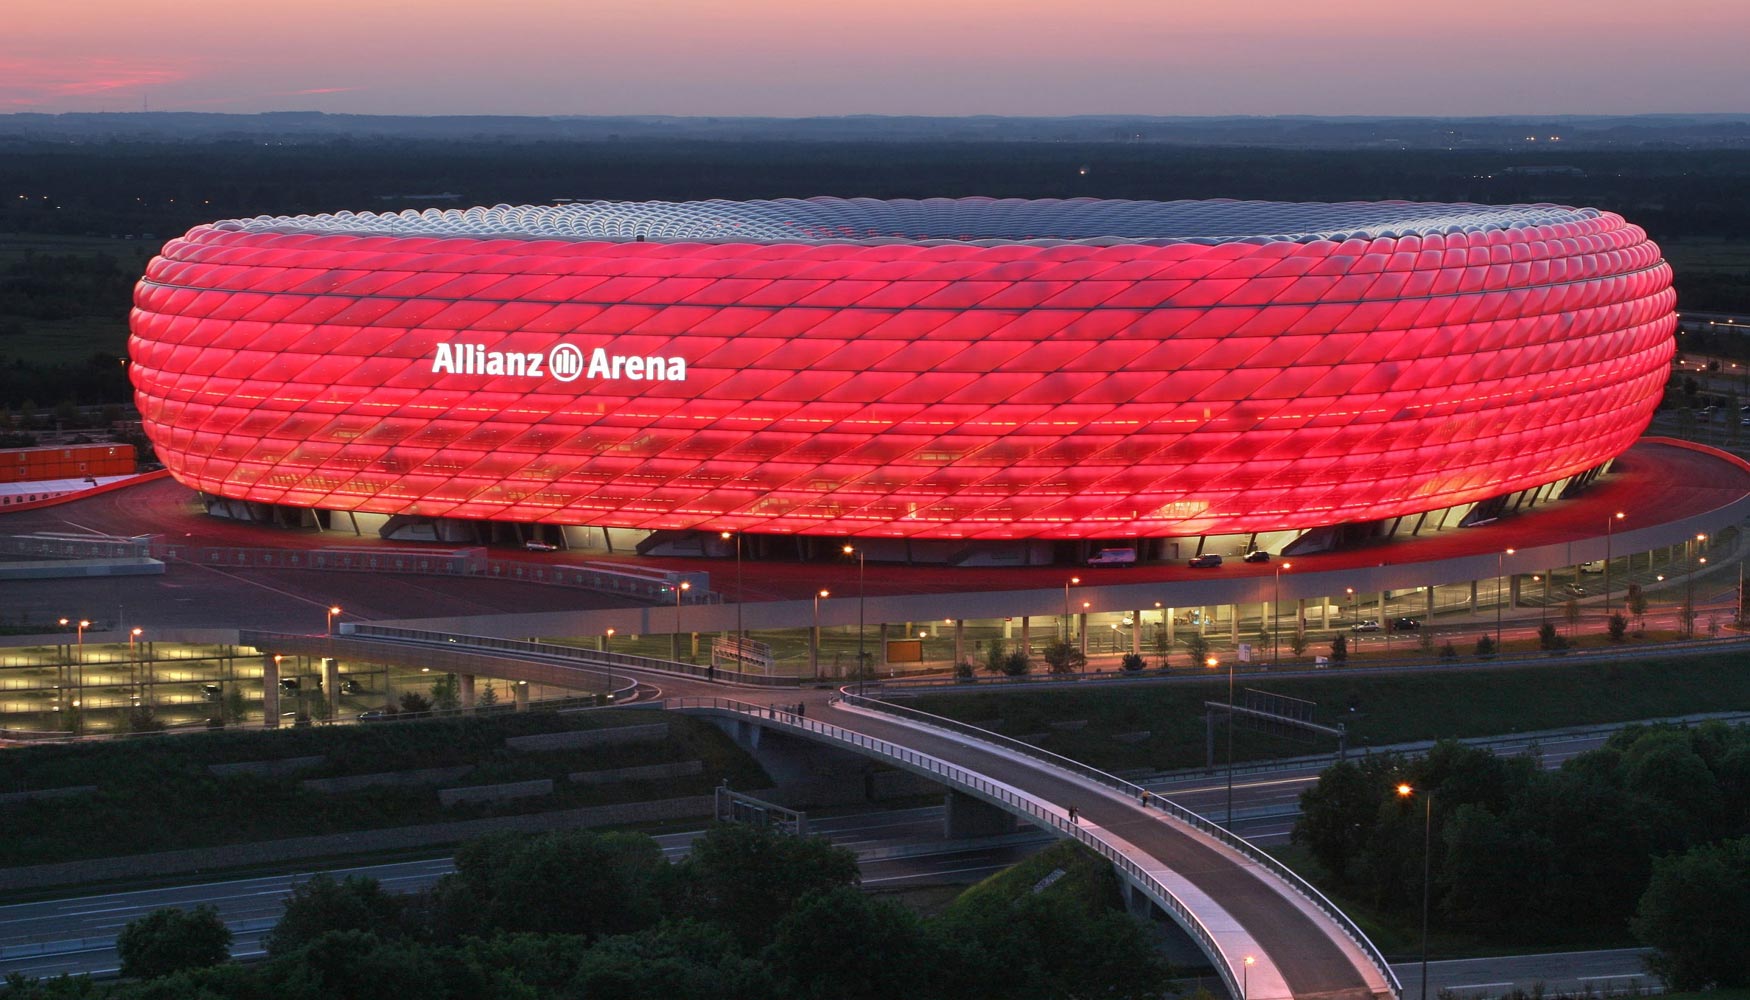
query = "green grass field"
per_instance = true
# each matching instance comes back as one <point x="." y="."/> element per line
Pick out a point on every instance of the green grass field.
<point x="1377" y="710"/>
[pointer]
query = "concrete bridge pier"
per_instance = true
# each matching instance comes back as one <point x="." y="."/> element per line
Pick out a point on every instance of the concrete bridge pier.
<point x="967" y="818"/>
<point x="270" y="691"/>
<point x="522" y="696"/>
<point x="465" y="688"/>
<point x="1172" y="940"/>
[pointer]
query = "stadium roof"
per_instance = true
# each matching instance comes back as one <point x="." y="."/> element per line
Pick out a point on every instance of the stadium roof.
<point x="982" y="221"/>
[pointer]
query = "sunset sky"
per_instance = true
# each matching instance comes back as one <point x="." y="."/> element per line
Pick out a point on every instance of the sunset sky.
<point x="821" y="57"/>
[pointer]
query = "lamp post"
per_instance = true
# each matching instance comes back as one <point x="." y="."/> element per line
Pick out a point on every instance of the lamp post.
<point x="674" y="645"/>
<point x="1212" y="663"/>
<point x="1688" y="594"/>
<point x="1246" y="976"/>
<point x="606" y="636"/>
<point x="1066" y="586"/>
<point x="1354" y="606"/>
<point x="862" y="668"/>
<point x="1276" y="616"/>
<point x="1500" y="598"/>
<point x="333" y="611"/>
<point x="1609" y="527"/>
<point x="739" y="635"/>
<point x="814" y="635"/>
<point x="1404" y="792"/>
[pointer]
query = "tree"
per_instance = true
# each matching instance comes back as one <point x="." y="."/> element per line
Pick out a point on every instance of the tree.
<point x="170" y="940"/>
<point x="1016" y="664"/>
<point x="325" y="904"/>
<point x="1617" y="627"/>
<point x="746" y="878"/>
<point x="1571" y="611"/>
<point x="1297" y="641"/>
<point x="1636" y="603"/>
<point x="581" y="882"/>
<point x="1132" y="663"/>
<point x="1339" y="648"/>
<point x="446" y="693"/>
<point x="965" y="671"/>
<point x="996" y="657"/>
<point x="1337" y="814"/>
<point x="1549" y="640"/>
<point x="1696" y="915"/>
<point x="233" y="708"/>
<point x="1485" y="648"/>
<point x="488" y="695"/>
<point x="1197" y="648"/>
<point x="1064" y="657"/>
<point x="891" y="955"/>
<point x="414" y="703"/>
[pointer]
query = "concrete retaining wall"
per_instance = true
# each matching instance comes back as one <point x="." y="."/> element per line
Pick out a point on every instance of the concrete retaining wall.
<point x="265" y="768"/>
<point x="649" y="772"/>
<point x="206" y="859"/>
<point x="49" y="793"/>
<point x="386" y="779"/>
<point x="496" y="793"/>
<point x="618" y="736"/>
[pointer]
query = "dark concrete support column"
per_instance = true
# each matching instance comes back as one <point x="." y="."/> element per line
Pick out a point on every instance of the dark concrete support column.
<point x="1136" y="632"/>
<point x="1428" y="611"/>
<point x="331" y="686"/>
<point x="1026" y="636"/>
<point x="270" y="691"/>
<point x="881" y="654"/>
<point x="966" y="818"/>
<point x="1082" y="623"/>
<point x="522" y="696"/>
<point x="1473" y="597"/>
<point x="1513" y="591"/>
<point x="959" y="641"/>
<point x="465" y="687"/>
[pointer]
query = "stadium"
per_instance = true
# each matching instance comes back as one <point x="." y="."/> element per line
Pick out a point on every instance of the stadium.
<point x="949" y="372"/>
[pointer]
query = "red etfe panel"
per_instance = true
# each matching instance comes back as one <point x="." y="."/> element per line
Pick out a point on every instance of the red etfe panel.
<point x="934" y="388"/>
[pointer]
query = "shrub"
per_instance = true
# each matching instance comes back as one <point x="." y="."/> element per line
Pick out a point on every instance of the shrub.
<point x="1339" y="648"/>
<point x="1132" y="663"/>
<point x="1617" y="627"/>
<point x="1485" y="648"/>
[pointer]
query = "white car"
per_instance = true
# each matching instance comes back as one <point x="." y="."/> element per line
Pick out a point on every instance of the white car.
<point x="534" y="545"/>
<point x="1370" y="625"/>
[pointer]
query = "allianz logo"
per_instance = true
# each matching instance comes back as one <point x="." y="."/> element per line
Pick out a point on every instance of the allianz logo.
<point x="564" y="363"/>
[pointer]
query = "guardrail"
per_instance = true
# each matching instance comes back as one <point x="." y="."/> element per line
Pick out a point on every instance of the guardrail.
<point x="589" y="657"/>
<point x="989" y="790"/>
<point x="1195" y="820"/>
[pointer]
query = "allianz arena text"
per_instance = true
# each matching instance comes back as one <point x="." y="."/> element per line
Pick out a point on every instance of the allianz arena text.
<point x="961" y="369"/>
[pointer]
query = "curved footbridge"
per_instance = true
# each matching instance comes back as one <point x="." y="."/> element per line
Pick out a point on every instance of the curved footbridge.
<point x="1235" y="901"/>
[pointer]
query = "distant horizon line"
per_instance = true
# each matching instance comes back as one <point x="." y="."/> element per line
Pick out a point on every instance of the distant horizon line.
<point x="1119" y="116"/>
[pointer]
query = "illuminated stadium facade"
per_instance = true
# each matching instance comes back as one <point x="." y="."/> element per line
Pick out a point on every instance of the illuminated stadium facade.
<point x="944" y="369"/>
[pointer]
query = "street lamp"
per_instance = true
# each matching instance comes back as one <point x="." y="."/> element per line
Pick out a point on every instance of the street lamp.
<point x="1212" y="663"/>
<point x="1066" y="586"/>
<point x="1276" y="615"/>
<point x="862" y="668"/>
<point x="740" y="637"/>
<point x="1246" y="976"/>
<point x="814" y="635"/>
<point x="1404" y="792"/>
<point x="674" y="645"/>
<point x="606" y="636"/>
<point x="332" y="611"/>
<point x="1609" y="527"/>
<point x="1354" y="606"/>
<point x="1500" y="574"/>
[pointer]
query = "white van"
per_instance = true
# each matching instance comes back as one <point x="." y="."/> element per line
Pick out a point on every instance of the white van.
<point x="1114" y="557"/>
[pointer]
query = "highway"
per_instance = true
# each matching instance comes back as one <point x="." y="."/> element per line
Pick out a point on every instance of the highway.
<point x="896" y="848"/>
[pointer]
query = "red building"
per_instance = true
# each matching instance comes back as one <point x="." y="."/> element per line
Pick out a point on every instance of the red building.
<point x="950" y="369"/>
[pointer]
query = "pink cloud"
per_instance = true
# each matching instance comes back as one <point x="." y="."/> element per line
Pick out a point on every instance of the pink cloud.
<point x="29" y="82"/>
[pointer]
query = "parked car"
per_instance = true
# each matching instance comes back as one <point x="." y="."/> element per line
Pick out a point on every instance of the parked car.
<point x="1405" y="625"/>
<point x="1114" y="557"/>
<point x="1258" y="556"/>
<point x="1593" y="566"/>
<point x="1370" y="625"/>
<point x="1209" y="561"/>
<point x="211" y="691"/>
<point x="536" y="545"/>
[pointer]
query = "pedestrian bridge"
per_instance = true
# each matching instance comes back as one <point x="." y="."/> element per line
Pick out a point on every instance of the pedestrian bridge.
<point x="1268" y="933"/>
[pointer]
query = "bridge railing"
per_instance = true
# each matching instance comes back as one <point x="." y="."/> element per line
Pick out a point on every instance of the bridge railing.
<point x="984" y="788"/>
<point x="548" y="650"/>
<point x="1197" y="821"/>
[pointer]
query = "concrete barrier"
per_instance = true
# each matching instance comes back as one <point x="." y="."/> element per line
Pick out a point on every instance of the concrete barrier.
<point x="265" y="768"/>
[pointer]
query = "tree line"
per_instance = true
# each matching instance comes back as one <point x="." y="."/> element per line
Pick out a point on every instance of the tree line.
<point x="1610" y="841"/>
<point x="748" y="915"/>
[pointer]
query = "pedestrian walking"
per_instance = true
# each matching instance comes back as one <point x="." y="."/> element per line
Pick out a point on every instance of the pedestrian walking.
<point x="1145" y="798"/>
<point x="1072" y="815"/>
